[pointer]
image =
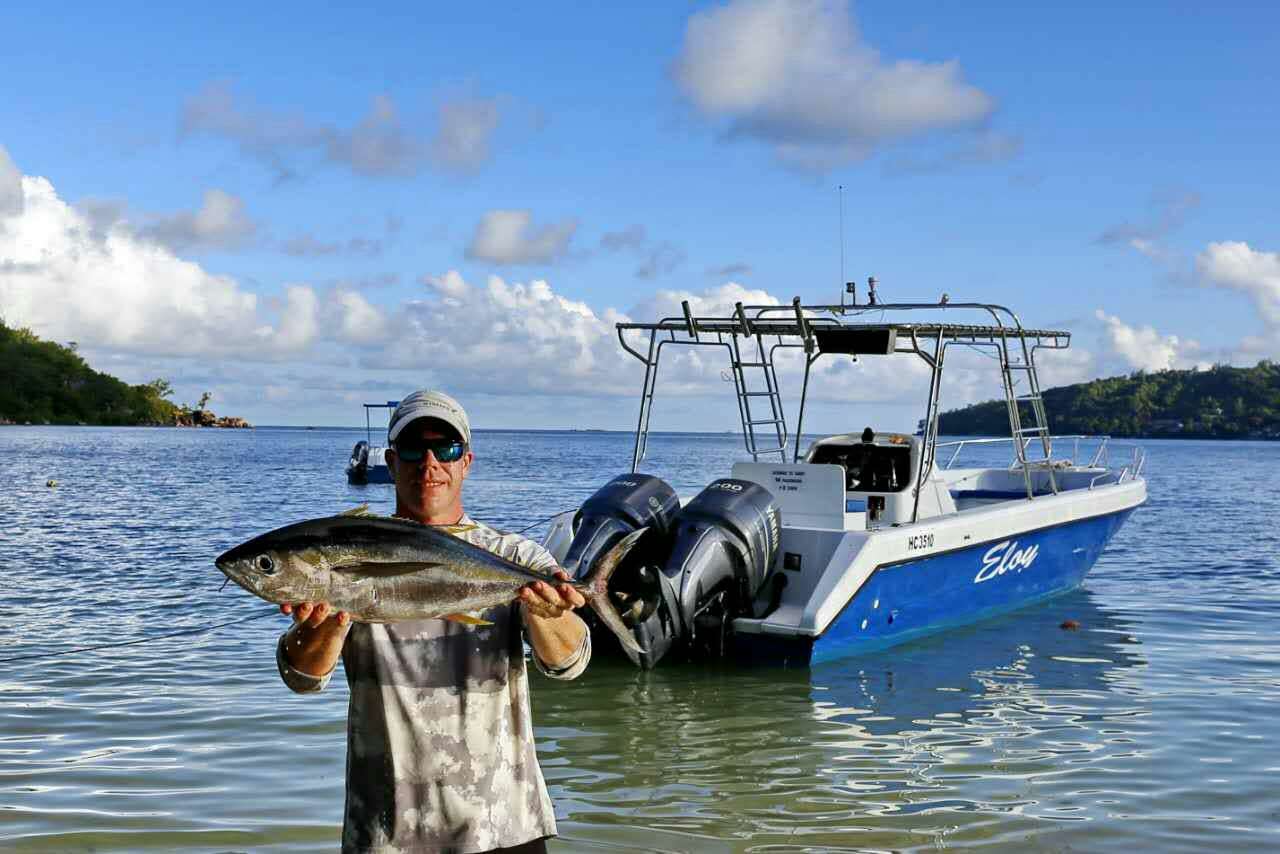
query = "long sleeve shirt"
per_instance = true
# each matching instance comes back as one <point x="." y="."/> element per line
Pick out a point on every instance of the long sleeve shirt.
<point x="440" y="748"/>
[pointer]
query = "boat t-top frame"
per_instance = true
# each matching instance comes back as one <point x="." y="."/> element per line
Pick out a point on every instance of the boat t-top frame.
<point x="818" y="330"/>
<point x="368" y="427"/>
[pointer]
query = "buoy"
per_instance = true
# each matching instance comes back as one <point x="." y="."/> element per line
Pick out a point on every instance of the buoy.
<point x="1069" y="625"/>
<point x="50" y="483"/>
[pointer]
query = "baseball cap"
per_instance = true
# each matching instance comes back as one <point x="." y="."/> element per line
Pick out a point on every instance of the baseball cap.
<point x="427" y="403"/>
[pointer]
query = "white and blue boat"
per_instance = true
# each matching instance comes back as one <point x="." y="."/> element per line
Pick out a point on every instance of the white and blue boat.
<point x="860" y="540"/>
<point x="368" y="463"/>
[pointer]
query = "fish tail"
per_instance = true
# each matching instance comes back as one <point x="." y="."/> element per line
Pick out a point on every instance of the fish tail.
<point x="596" y="590"/>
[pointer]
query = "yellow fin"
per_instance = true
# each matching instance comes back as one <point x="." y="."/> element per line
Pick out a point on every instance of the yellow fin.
<point x="362" y="510"/>
<point x="466" y="619"/>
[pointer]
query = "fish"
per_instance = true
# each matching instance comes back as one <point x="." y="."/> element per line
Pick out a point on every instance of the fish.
<point x="382" y="569"/>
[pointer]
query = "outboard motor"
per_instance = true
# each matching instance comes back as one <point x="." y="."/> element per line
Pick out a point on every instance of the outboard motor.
<point x="625" y="504"/>
<point x="358" y="465"/>
<point x="724" y="544"/>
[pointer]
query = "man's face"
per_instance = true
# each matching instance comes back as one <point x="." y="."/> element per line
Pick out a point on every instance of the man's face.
<point x="428" y="490"/>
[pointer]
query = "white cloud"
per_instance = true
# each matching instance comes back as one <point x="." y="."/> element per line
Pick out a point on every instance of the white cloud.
<point x="71" y="279"/>
<point x="509" y="237"/>
<point x="509" y="338"/>
<point x="798" y="76"/>
<point x="10" y="186"/>
<point x="1234" y="265"/>
<point x="379" y="145"/>
<point x="1143" y="348"/>
<point x="358" y="322"/>
<point x="219" y="223"/>
<point x="464" y="134"/>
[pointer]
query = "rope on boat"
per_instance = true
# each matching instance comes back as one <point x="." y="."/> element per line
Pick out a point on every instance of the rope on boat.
<point x="544" y="521"/>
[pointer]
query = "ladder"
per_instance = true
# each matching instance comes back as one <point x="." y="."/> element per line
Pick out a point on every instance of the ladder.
<point x="1018" y="370"/>
<point x="747" y="392"/>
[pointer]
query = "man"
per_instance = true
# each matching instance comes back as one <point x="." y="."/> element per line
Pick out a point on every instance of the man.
<point x="440" y="751"/>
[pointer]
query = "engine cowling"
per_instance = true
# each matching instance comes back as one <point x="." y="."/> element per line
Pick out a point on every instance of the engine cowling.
<point x="625" y="504"/>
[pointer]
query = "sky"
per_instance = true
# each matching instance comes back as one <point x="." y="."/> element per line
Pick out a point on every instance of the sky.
<point x="300" y="209"/>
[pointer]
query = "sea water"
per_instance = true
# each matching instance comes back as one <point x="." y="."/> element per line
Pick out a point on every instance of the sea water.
<point x="1153" y="726"/>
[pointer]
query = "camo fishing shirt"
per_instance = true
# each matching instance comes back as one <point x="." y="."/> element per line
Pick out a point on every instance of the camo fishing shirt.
<point x="440" y="750"/>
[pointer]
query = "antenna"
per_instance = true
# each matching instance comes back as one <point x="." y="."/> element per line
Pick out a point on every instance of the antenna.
<point x="840" y="192"/>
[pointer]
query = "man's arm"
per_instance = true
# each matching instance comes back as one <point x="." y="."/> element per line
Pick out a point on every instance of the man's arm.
<point x="309" y="651"/>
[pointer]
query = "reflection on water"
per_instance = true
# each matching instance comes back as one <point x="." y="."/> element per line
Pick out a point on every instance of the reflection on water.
<point x="841" y="757"/>
<point x="1149" y="728"/>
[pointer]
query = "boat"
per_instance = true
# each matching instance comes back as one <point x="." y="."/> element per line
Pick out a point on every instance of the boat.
<point x="857" y="541"/>
<point x="368" y="462"/>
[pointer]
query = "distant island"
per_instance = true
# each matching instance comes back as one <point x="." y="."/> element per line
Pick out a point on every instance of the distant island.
<point x="1219" y="403"/>
<point x="48" y="383"/>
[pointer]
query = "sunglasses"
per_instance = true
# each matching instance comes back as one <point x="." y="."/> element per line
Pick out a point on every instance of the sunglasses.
<point x="445" y="450"/>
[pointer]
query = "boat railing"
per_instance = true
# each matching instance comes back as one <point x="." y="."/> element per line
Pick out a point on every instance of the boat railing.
<point x="1100" y="455"/>
<point x="1130" y="471"/>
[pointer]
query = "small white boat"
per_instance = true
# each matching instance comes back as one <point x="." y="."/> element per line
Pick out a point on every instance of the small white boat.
<point x="861" y="540"/>
<point x="368" y="462"/>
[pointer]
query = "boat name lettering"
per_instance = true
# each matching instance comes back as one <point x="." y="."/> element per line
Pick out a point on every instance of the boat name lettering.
<point x="1005" y="557"/>
<point x="920" y="541"/>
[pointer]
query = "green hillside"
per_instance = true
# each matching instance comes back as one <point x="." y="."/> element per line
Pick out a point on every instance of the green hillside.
<point x="47" y="383"/>
<point x="1222" y="402"/>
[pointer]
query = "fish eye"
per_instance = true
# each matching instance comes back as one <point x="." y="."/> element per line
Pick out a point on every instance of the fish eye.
<point x="266" y="564"/>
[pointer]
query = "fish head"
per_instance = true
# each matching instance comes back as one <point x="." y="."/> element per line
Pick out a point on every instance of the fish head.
<point x="277" y="568"/>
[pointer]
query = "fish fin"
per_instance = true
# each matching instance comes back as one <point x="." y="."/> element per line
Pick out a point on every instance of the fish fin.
<point x="466" y="619"/>
<point x="362" y="510"/>
<point x="383" y="570"/>
<point x="597" y="593"/>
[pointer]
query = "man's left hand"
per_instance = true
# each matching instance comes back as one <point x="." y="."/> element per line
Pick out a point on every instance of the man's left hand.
<point x="549" y="601"/>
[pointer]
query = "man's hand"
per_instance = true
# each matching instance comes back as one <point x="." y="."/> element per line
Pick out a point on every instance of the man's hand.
<point x="314" y="643"/>
<point x="315" y="613"/>
<point x="555" y="632"/>
<point x="547" y="601"/>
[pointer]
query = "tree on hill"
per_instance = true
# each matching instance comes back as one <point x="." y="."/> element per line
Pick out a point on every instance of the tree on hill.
<point x="1221" y="402"/>
<point x="51" y="383"/>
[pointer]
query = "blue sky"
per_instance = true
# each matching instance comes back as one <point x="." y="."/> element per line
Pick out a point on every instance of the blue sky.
<point x="300" y="210"/>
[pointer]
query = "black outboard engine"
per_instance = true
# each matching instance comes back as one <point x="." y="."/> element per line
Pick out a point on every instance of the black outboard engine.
<point x="723" y="547"/>
<point x="625" y="504"/>
<point x="358" y="465"/>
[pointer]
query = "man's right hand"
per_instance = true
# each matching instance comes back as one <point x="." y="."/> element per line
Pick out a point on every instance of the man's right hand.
<point x="314" y="643"/>
<point x="313" y="614"/>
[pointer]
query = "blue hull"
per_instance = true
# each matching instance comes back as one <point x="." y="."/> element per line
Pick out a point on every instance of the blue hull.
<point x="376" y="474"/>
<point x="900" y="602"/>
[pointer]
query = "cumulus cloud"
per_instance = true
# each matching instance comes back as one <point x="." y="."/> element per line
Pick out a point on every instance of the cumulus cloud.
<point x="464" y="133"/>
<point x="219" y="223"/>
<point x="357" y="321"/>
<point x="1143" y="348"/>
<point x="798" y="76"/>
<point x="509" y="338"/>
<point x="510" y="237"/>
<point x="1234" y="265"/>
<point x="69" y="279"/>
<point x="379" y="145"/>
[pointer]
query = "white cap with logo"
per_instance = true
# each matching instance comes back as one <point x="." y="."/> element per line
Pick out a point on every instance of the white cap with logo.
<point x="426" y="403"/>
